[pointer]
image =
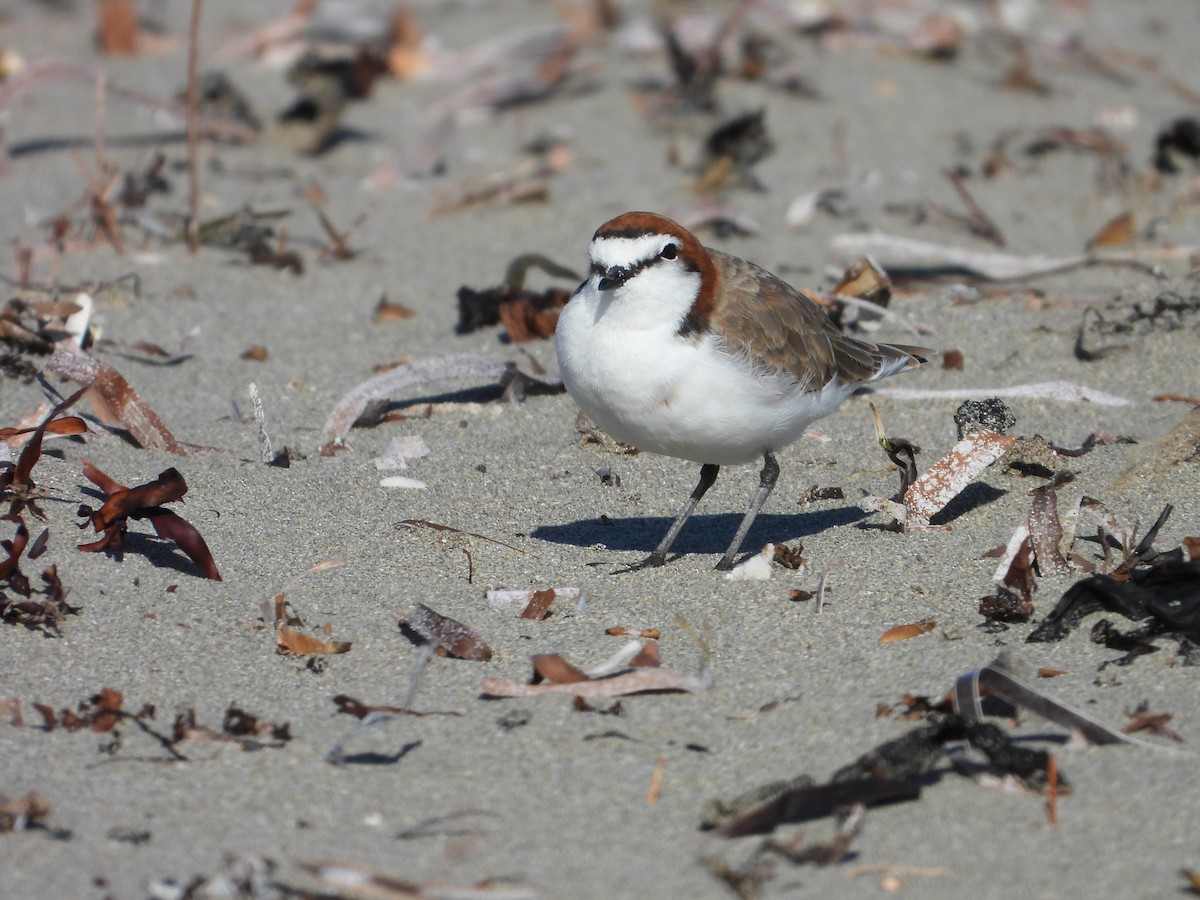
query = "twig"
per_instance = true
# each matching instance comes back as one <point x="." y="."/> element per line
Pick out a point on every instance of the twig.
<point x="819" y="597"/>
<point x="978" y="221"/>
<point x="193" y="225"/>
<point x="101" y="116"/>
<point x="1052" y="789"/>
<point x="437" y="526"/>
<point x="265" y="452"/>
<point x="911" y="257"/>
<point x="656" y="780"/>
<point x="1063" y="391"/>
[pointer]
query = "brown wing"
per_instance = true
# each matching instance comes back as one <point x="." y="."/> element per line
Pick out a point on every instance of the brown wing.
<point x="787" y="331"/>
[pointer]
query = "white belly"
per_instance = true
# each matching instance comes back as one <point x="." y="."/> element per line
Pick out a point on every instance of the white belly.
<point x="680" y="396"/>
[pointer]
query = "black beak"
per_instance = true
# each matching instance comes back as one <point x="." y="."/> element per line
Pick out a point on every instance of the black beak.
<point x="613" y="278"/>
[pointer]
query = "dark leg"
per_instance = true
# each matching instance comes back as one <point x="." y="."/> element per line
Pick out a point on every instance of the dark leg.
<point x="766" y="483"/>
<point x="708" y="474"/>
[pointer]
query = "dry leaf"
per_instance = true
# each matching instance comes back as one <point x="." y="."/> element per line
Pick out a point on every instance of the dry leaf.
<point x="288" y="640"/>
<point x="117" y="27"/>
<point x="145" y="502"/>
<point x="904" y="632"/>
<point x="552" y="668"/>
<point x="447" y="634"/>
<point x="1118" y="231"/>
<point x="386" y="311"/>
<point x="406" y="54"/>
<point x="634" y="682"/>
<point x="539" y="605"/>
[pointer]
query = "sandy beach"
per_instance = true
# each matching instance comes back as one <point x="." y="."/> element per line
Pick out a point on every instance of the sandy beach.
<point x="530" y="796"/>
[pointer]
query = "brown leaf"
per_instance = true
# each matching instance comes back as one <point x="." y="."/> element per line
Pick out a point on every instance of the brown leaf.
<point x="904" y="632"/>
<point x="1050" y="673"/>
<point x="117" y="27"/>
<point x="952" y="360"/>
<point x="1118" y="231"/>
<point x="288" y="640"/>
<point x="406" y="54"/>
<point x="21" y="812"/>
<point x="256" y="353"/>
<point x="20" y="476"/>
<point x="144" y="502"/>
<point x="648" y="657"/>
<point x="173" y="528"/>
<point x="15" y="548"/>
<point x="789" y="557"/>
<point x="168" y="487"/>
<point x="529" y="317"/>
<point x="385" y="311"/>
<point x="450" y="635"/>
<point x="539" y="605"/>
<point x="64" y="426"/>
<point x="552" y="668"/>
<point x="107" y="706"/>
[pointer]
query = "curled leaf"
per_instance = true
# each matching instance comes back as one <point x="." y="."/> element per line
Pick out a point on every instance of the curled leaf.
<point x="904" y="632"/>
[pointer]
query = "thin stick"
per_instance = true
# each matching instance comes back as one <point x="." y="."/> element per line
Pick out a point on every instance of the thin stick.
<point x="1052" y="789"/>
<point x="656" y="780"/>
<point x="979" y="221"/>
<point x="193" y="225"/>
<point x="101" y="115"/>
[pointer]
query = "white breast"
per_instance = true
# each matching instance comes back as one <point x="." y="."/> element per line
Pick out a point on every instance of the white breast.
<point x="680" y="396"/>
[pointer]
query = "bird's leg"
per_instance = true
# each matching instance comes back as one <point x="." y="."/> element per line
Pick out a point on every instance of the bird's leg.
<point x="766" y="483"/>
<point x="708" y="474"/>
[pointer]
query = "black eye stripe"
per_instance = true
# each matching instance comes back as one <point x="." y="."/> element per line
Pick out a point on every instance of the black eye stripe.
<point x="615" y="276"/>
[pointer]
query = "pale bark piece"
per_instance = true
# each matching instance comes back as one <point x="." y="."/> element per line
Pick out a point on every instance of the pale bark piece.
<point x="449" y="634"/>
<point x="1063" y="391"/>
<point x="504" y="598"/>
<point x="113" y="396"/>
<point x="900" y="253"/>
<point x="636" y="682"/>
<point x="946" y="478"/>
<point x="414" y="374"/>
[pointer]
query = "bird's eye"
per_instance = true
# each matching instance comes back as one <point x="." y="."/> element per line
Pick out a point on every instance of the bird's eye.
<point x="669" y="252"/>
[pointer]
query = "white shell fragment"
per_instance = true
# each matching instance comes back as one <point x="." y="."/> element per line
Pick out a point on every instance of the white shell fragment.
<point x="402" y="481"/>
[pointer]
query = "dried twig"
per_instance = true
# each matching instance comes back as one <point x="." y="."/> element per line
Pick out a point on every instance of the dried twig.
<point x="193" y="223"/>
<point x="1064" y="391"/>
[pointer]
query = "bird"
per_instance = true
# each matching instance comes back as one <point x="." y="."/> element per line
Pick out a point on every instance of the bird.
<point x="689" y="352"/>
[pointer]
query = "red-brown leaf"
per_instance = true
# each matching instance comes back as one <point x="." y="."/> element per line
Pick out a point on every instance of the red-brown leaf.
<point x="183" y="533"/>
<point x="553" y="668"/>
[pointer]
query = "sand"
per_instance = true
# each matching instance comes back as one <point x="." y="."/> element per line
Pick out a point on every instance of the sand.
<point x="541" y="796"/>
